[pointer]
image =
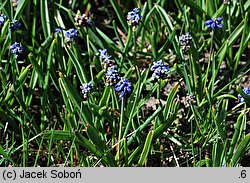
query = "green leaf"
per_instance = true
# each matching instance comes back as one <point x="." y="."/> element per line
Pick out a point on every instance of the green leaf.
<point x="75" y="97"/>
<point x="58" y="135"/>
<point x="144" y="125"/>
<point x="5" y="155"/>
<point x="243" y="94"/>
<point x="20" y="81"/>
<point x="94" y="137"/>
<point x="146" y="149"/>
<point x="231" y="39"/>
<point x="81" y="72"/>
<point x="36" y="66"/>
<point x="240" y="151"/>
<point x="220" y="11"/>
<point x="20" y="8"/>
<point x="169" y="102"/>
<point x="217" y="153"/>
<point x="197" y="9"/>
<point x="135" y="155"/>
<point x="101" y="145"/>
<point x="119" y="13"/>
<point x="45" y="18"/>
<point x="236" y="135"/>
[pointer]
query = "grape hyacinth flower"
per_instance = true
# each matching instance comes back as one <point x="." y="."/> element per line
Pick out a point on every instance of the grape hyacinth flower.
<point x="124" y="86"/>
<point x="2" y="19"/>
<point x="88" y="22"/>
<point x="134" y="17"/>
<point x="70" y="35"/>
<point x="14" y="25"/>
<point x="16" y="49"/>
<point x="107" y="60"/>
<point x="82" y="20"/>
<point x="112" y="76"/>
<point x="185" y="41"/>
<point x="86" y="89"/>
<point x="160" y="70"/>
<point x="214" y="23"/>
<point x="103" y="54"/>
<point x="58" y="29"/>
<point x="247" y="92"/>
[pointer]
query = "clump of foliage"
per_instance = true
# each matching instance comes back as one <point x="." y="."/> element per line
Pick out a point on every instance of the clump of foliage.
<point x="115" y="83"/>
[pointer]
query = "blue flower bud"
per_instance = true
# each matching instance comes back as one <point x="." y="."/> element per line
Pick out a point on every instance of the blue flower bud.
<point x="16" y="49"/>
<point x="70" y="35"/>
<point x="214" y="23"/>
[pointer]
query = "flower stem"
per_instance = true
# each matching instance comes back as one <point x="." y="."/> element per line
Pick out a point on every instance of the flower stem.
<point x="90" y="60"/>
<point x="135" y="57"/>
<point x="159" y="91"/>
<point x="135" y="46"/>
<point x="209" y="60"/>
<point x="120" y="128"/>
<point x="157" y="121"/>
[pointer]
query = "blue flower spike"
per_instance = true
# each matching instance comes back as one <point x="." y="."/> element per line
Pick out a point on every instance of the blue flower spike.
<point x="103" y="54"/>
<point x="124" y="86"/>
<point x="14" y="25"/>
<point x="247" y="92"/>
<point x="107" y="60"/>
<point x="214" y="23"/>
<point x="2" y="19"/>
<point x="134" y="17"/>
<point x="112" y="76"/>
<point x="185" y="41"/>
<point x="16" y="49"/>
<point x="159" y="69"/>
<point x="70" y="35"/>
<point x="82" y="20"/>
<point x="86" y="89"/>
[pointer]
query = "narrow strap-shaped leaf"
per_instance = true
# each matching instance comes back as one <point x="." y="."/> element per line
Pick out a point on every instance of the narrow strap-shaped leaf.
<point x="146" y="149"/>
<point x="143" y="126"/>
<point x="173" y="92"/>
<point x="5" y="155"/>
<point x="20" y="8"/>
<point x="232" y="38"/>
<point x="21" y="79"/>
<point x="99" y="143"/>
<point x="197" y="9"/>
<point x="78" y="66"/>
<point x="119" y="13"/>
<point x="36" y="66"/>
<point x="235" y="135"/>
<point x="243" y="94"/>
<point x="45" y="17"/>
<point x="75" y="97"/>
<point x="241" y="150"/>
<point x="134" y="156"/>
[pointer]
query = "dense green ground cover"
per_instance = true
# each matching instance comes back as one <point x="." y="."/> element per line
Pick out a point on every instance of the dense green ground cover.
<point x="195" y="113"/>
